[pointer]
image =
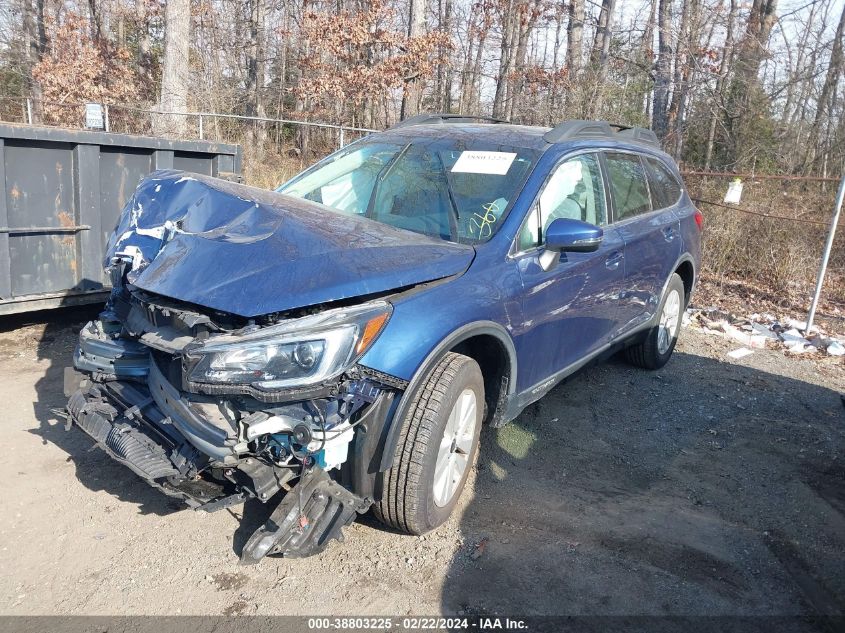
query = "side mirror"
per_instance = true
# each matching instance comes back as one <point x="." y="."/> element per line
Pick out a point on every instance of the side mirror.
<point x="565" y="235"/>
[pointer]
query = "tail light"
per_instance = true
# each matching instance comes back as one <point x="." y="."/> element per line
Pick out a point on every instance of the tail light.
<point x="699" y="219"/>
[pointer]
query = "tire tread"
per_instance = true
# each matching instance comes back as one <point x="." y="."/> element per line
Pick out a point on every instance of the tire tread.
<point x="398" y="507"/>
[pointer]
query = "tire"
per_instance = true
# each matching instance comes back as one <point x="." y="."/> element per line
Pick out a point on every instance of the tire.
<point x="409" y="502"/>
<point x="654" y="352"/>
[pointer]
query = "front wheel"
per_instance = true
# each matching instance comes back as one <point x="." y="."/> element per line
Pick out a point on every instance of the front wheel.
<point x="437" y="445"/>
<point x="655" y="350"/>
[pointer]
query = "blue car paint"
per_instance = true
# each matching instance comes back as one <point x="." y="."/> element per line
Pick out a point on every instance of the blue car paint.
<point x="250" y="252"/>
<point x="511" y="292"/>
<point x="570" y="310"/>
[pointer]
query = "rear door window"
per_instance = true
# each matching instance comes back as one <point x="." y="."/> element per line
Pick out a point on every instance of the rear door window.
<point x="665" y="188"/>
<point x="628" y="185"/>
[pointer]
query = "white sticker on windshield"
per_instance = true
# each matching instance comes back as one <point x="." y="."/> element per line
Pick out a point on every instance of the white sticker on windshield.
<point x="484" y="163"/>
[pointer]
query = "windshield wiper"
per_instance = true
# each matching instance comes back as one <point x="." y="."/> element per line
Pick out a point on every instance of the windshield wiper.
<point x="456" y="216"/>
<point x="380" y="177"/>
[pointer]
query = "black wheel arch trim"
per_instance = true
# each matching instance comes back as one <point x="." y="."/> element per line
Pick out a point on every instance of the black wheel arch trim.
<point x="476" y="328"/>
<point x="685" y="258"/>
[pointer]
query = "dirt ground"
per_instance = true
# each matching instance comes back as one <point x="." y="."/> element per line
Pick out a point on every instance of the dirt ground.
<point x="711" y="487"/>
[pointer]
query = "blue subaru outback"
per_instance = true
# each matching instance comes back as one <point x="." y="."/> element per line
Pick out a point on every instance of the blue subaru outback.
<point x="335" y="346"/>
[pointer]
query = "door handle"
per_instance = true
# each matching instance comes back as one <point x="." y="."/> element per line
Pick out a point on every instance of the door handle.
<point x="668" y="234"/>
<point x="613" y="260"/>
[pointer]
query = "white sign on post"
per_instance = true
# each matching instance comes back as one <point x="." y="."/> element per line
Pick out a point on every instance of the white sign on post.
<point x="94" y="116"/>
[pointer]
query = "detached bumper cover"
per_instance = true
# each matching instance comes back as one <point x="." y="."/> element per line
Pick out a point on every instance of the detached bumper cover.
<point x="124" y="421"/>
<point x="309" y="517"/>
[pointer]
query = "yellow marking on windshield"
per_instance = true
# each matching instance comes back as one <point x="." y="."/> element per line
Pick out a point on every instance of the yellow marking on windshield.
<point x="484" y="222"/>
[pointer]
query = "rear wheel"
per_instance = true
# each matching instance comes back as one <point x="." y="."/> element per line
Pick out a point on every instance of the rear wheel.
<point x="436" y="448"/>
<point x="655" y="350"/>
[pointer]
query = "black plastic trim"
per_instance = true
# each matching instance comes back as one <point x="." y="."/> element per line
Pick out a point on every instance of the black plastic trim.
<point x="440" y="118"/>
<point x="580" y="129"/>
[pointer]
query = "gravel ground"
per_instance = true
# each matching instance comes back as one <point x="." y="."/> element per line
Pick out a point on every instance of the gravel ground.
<point x="712" y="487"/>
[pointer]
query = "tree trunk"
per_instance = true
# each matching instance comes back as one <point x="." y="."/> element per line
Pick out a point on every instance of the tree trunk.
<point x="554" y="90"/>
<point x="753" y="45"/>
<point x="798" y="67"/>
<point x="599" y="56"/>
<point x="575" y="38"/>
<point x="413" y="88"/>
<point x="601" y="43"/>
<point x="663" y="72"/>
<point x="724" y="68"/>
<point x="35" y="47"/>
<point x="144" y="45"/>
<point x="256" y="69"/>
<point x="174" y="77"/>
<point x="446" y="103"/>
<point x="516" y="84"/>
<point x="747" y="98"/>
<point x="475" y="79"/>
<point x="647" y="52"/>
<point x="509" y="28"/>
<point x="94" y="20"/>
<point x="827" y="98"/>
<point x="690" y="25"/>
<point x="443" y="77"/>
<point x="467" y="79"/>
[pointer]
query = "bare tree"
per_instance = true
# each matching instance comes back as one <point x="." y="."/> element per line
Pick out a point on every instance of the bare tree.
<point x="174" y="77"/>
<point x="413" y="90"/>
<point x="574" y="38"/>
<point x="827" y="98"/>
<point x="725" y="83"/>
<point x="663" y="70"/>
<point x="754" y="44"/>
<point x="509" y="35"/>
<point x="724" y="67"/>
<point x="33" y="28"/>
<point x="255" y="72"/>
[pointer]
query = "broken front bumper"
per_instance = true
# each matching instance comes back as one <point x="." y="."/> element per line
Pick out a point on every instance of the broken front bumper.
<point x="216" y="450"/>
<point x="127" y="423"/>
<point x="122" y="417"/>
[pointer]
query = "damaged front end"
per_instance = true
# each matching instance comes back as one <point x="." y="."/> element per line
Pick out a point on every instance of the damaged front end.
<point x="216" y="409"/>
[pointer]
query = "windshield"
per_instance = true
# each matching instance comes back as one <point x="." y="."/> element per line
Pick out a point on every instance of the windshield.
<point x="440" y="187"/>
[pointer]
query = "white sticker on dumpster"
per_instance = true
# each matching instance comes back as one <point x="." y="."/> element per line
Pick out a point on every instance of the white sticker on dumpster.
<point x="474" y="162"/>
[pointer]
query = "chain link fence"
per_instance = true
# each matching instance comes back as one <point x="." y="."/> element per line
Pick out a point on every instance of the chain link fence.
<point x="225" y="128"/>
<point x="772" y="240"/>
<point x="274" y="149"/>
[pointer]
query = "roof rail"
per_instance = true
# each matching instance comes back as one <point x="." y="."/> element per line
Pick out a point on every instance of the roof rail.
<point x="576" y="128"/>
<point x="437" y="118"/>
<point x="639" y="134"/>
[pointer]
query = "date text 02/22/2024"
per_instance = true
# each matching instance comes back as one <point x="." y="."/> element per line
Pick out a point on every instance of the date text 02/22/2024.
<point x="417" y="623"/>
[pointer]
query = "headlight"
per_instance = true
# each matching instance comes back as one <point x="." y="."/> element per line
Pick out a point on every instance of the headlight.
<point x="299" y="352"/>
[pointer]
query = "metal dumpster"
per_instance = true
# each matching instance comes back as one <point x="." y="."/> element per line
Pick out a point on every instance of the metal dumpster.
<point x="62" y="193"/>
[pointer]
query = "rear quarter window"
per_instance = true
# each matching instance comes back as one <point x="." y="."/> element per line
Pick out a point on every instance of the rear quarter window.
<point x="665" y="188"/>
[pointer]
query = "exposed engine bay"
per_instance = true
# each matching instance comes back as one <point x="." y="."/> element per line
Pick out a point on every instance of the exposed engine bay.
<point x="216" y="409"/>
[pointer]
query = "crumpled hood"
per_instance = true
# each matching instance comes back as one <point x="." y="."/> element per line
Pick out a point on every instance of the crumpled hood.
<point x="252" y="252"/>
